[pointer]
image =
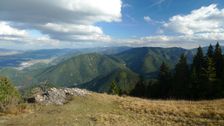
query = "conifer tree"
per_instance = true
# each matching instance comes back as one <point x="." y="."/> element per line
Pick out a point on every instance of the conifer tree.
<point x="211" y="84"/>
<point x="199" y="62"/>
<point x="210" y="52"/>
<point x="211" y="71"/>
<point x="194" y="84"/>
<point x="164" y="80"/>
<point x="181" y="79"/>
<point x="140" y="89"/>
<point x="199" y="82"/>
<point x="218" y="58"/>
<point x="210" y="55"/>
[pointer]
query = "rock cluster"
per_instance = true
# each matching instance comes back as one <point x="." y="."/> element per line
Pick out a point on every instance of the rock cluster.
<point x="57" y="96"/>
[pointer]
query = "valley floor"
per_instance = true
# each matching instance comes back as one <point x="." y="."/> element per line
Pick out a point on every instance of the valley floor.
<point x="107" y="110"/>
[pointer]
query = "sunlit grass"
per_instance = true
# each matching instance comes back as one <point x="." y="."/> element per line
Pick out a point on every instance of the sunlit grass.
<point x="103" y="109"/>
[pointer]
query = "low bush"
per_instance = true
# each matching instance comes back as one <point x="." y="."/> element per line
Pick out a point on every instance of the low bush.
<point x="9" y="96"/>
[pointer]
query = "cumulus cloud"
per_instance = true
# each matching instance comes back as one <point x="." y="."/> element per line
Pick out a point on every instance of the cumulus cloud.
<point x="61" y="20"/>
<point x="7" y="30"/>
<point x="8" y="33"/>
<point x="69" y="11"/>
<point x="12" y="36"/>
<point x="74" y="32"/>
<point x="200" y="27"/>
<point x="207" y="19"/>
<point x="65" y="22"/>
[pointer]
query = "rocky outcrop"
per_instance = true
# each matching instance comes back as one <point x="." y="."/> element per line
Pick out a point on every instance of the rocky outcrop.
<point x="58" y="96"/>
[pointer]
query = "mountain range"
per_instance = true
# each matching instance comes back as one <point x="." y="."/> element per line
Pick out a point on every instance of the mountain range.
<point x="93" y="69"/>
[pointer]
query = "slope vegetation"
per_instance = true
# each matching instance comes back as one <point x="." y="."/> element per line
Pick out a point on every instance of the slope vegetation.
<point x="80" y="69"/>
<point x="147" y="60"/>
<point x="107" y="110"/>
<point x="124" y="78"/>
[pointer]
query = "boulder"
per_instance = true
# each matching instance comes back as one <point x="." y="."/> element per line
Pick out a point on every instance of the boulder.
<point x="58" y="96"/>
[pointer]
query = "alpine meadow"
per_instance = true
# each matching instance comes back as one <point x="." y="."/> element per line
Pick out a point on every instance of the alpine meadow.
<point x="111" y="63"/>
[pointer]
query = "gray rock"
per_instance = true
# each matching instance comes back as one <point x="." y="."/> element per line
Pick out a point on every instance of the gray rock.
<point x="58" y="96"/>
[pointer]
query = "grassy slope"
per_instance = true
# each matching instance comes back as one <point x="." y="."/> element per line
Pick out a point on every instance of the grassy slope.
<point x="102" y="109"/>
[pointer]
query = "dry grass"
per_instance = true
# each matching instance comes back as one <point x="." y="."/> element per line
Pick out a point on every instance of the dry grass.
<point x="15" y="109"/>
<point x="177" y="112"/>
<point x="107" y="110"/>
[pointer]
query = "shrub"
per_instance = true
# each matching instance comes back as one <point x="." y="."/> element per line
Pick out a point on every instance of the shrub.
<point x="9" y="96"/>
<point x="114" y="89"/>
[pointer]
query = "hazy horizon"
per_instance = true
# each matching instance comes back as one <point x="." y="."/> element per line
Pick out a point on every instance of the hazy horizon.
<point x="99" y="47"/>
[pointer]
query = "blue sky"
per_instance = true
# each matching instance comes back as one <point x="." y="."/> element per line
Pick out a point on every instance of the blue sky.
<point x="38" y="24"/>
<point x="133" y="23"/>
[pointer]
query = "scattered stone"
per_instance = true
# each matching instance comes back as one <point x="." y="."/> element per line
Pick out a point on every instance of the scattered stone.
<point x="56" y="96"/>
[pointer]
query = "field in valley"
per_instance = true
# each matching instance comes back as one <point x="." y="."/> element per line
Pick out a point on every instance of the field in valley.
<point x="107" y="110"/>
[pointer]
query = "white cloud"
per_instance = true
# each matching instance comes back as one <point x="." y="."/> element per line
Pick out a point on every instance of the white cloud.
<point x="150" y="20"/>
<point x="69" y="23"/>
<point x="207" y="19"/>
<point x="74" y="32"/>
<point x="126" y="5"/>
<point x="9" y="34"/>
<point x="76" y="29"/>
<point x="66" y="11"/>
<point x="7" y="30"/>
<point x="183" y="41"/>
<point x="147" y="19"/>
<point x="61" y="21"/>
<point x="200" y="27"/>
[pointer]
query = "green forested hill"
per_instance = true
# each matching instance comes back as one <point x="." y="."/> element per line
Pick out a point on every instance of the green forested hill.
<point x="80" y="69"/>
<point x="19" y="78"/>
<point x="147" y="60"/>
<point x="124" y="78"/>
<point x="96" y="71"/>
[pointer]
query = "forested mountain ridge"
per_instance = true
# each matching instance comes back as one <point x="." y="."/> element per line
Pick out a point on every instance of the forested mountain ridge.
<point x="96" y="71"/>
<point x="80" y="69"/>
<point x="148" y="59"/>
<point x="201" y="79"/>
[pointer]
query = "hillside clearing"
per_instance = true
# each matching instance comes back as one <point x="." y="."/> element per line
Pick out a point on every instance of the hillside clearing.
<point x="102" y="109"/>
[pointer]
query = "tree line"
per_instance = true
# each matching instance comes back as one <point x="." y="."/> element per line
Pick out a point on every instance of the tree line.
<point x="203" y="79"/>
